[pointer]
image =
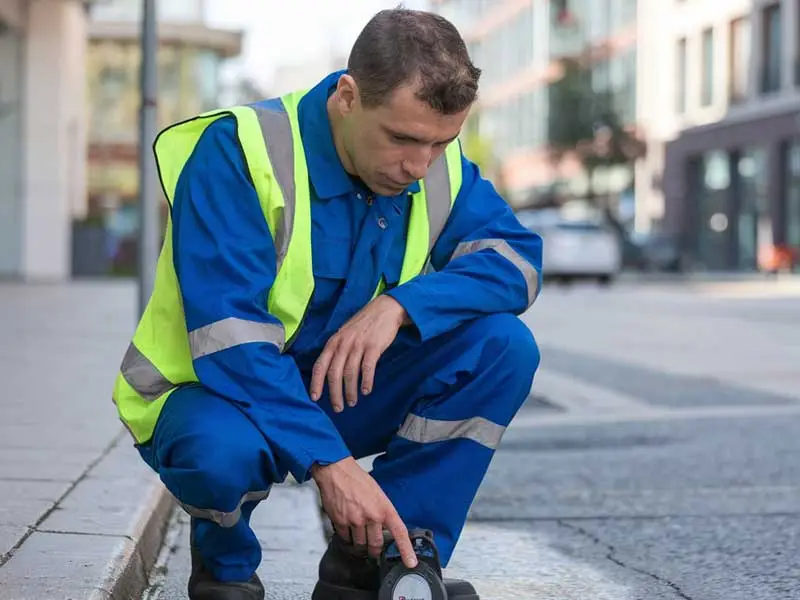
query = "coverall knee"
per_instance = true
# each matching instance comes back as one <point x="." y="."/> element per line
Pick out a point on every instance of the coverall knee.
<point x="217" y="464"/>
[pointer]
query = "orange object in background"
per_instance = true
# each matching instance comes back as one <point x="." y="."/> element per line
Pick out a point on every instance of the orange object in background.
<point x="777" y="258"/>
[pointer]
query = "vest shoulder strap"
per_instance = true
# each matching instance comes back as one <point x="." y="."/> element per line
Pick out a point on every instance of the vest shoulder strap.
<point x="276" y="132"/>
<point x="442" y="184"/>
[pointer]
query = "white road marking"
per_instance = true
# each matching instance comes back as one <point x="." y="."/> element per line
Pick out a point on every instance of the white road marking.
<point x="654" y="414"/>
<point x="506" y="564"/>
<point x="582" y="397"/>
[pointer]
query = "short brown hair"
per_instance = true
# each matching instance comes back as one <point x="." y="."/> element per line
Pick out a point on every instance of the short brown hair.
<point x="399" y="46"/>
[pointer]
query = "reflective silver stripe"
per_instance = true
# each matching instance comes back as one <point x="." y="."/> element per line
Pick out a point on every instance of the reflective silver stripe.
<point x="437" y="196"/>
<point x="502" y="247"/>
<point x="277" y="132"/>
<point x="225" y="519"/>
<point x="231" y="332"/>
<point x="143" y="376"/>
<point x="425" y="431"/>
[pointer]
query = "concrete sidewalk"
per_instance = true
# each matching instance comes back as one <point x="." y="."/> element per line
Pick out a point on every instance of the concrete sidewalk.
<point x="80" y="514"/>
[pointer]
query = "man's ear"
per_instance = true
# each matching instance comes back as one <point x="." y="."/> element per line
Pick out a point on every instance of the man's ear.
<point x="347" y="95"/>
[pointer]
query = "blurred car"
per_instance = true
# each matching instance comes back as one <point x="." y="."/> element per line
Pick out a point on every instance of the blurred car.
<point x="656" y="252"/>
<point x="575" y="248"/>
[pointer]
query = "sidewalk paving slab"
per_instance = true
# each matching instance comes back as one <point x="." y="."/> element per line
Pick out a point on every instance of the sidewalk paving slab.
<point x="99" y="541"/>
<point x="81" y="516"/>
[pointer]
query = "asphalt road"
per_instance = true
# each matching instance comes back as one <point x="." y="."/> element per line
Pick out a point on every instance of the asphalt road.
<point x="656" y="459"/>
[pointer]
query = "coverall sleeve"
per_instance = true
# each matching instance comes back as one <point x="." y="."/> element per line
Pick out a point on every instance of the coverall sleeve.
<point x="225" y="262"/>
<point x="485" y="262"/>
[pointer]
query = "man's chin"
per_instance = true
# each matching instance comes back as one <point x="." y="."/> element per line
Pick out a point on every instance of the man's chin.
<point x="392" y="188"/>
<point x="387" y="190"/>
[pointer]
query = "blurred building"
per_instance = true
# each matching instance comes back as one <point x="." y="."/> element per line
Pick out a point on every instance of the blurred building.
<point x="304" y="75"/>
<point x="189" y="82"/>
<point x="518" y="44"/>
<point x="42" y="134"/>
<point x="720" y="98"/>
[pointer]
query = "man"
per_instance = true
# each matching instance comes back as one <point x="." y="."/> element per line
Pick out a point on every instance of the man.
<point x="337" y="281"/>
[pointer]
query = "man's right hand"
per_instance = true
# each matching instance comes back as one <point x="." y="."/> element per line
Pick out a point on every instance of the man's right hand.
<point x="355" y="503"/>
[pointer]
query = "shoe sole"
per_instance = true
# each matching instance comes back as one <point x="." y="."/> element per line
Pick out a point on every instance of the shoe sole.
<point x="328" y="591"/>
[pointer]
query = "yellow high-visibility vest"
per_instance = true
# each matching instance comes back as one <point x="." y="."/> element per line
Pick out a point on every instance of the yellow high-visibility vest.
<point x="160" y="357"/>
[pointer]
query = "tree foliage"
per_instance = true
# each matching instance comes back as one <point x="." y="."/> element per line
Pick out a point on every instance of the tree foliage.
<point x="585" y="121"/>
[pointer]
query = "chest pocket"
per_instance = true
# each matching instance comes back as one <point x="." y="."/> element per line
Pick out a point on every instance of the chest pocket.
<point x="331" y="260"/>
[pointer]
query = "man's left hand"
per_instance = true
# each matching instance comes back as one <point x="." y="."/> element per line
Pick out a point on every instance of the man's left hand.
<point x="355" y="349"/>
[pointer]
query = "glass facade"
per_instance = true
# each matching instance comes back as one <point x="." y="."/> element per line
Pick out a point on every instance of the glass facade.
<point x="520" y="122"/>
<point x="791" y="165"/>
<point x="753" y="215"/>
<point x="712" y="177"/>
<point x="506" y="50"/>
<point x="519" y="52"/>
<point x="772" y="48"/>
<point x="584" y="22"/>
<point x="188" y="84"/>
<point x="10" y="150"/>
<point x="738" y="216"/>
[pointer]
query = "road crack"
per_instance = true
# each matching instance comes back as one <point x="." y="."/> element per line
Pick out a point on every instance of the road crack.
<point x="611" y="554"/>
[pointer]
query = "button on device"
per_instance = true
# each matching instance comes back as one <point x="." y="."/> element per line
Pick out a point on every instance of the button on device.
<point x="382" y="223"/>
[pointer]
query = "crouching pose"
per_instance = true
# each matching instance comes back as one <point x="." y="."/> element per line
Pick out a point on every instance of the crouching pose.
<point x="337" y="281"/>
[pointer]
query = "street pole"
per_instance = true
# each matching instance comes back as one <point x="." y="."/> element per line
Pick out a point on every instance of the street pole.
<point x="149" y="218"/>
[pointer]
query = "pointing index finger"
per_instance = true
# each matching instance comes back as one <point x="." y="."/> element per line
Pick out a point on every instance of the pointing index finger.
<point x="400" y="535"/>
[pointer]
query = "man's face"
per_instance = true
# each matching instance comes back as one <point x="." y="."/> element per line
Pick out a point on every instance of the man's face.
<point x="393" y="145"/>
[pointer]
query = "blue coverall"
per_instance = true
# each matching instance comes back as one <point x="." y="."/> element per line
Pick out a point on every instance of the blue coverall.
<point x="250" y="421"/>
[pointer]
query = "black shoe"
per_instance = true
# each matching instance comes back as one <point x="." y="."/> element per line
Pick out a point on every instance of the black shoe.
<point x="203" y="586"/>
<point x="348" y="573"/>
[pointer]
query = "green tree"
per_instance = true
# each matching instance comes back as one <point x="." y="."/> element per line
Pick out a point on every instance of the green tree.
<point x="585" y="122"/>
<point x="480" y="150"/>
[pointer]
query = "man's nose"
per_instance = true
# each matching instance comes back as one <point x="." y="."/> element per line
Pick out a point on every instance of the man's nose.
<point x="417" y="165"/>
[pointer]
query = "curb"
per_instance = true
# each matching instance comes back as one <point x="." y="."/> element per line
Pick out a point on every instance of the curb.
<point x="99" y="540"/>
<point x="128" y="572"/>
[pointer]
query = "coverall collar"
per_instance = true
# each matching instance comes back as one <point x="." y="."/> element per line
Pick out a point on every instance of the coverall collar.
<point x="325" y="169"/>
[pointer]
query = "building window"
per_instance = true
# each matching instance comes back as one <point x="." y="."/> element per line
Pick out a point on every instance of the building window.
<point x="739" y="60"/>
<point x="623" y="13"/>
<point x="752" y="211"/>
<point x="797" y="45"/>
<point x="680" y="77"/>
<point x="707" y="73"/>
<point x="713" y="173"/>
<point x="771" y="55"/>
<point x="792" y="178"/>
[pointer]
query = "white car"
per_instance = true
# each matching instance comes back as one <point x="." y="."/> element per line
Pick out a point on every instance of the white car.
<point x="575" y="248"/>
